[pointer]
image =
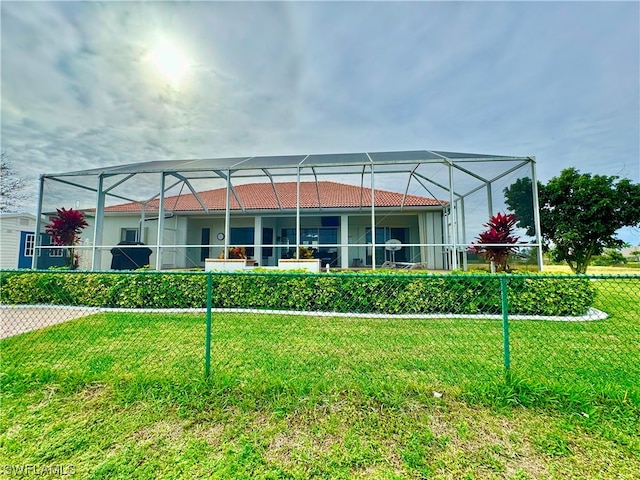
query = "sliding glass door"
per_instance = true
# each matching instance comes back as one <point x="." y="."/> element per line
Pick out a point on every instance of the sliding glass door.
<point x="382" y="254"/>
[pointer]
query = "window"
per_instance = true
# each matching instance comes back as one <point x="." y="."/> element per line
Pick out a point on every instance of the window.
<point x="49" y="252"/>
<point x="288" y="239"/>
<point x="314" y="238"/>
<point x="242" y="237"/>
<point x="382" y="235"/>
<point x="29" y="241"/>
<point x="288" y="236"/>
<point x="129" y="235"/>
<point x="328" y="236"/>
<point x="309" y="236"/>
<point x="330" y="221"/>
<point x="321" y="236"/>
<point x="267" y="239"/>
<point x="205" y="238"/>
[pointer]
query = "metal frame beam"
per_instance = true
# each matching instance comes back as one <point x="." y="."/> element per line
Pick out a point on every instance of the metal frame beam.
<point x="37" y="241"/>
<point x="193" y="191"/>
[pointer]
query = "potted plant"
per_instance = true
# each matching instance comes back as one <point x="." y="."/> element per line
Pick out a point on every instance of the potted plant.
<point x="306" y="252"/>
<point x="235" y="253"/>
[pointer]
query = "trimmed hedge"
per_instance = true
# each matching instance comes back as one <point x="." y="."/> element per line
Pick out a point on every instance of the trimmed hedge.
<point x="375" y="292"/>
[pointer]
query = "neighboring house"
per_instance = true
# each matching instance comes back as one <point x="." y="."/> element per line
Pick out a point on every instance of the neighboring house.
<point x="335" y="220"/>
<point x="17" y="238"/>
<point x="632" y="253"/>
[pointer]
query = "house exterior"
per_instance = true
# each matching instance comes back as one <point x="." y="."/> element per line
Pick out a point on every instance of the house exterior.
<point x="166" y="206"/>
<point x="17" y="239"/>
<point x="334" y="221"/>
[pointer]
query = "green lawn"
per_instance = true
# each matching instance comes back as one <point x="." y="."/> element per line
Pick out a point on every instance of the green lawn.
<point x="122" y="395"/>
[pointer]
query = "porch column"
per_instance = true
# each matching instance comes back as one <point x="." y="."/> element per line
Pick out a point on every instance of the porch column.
<point x="141" y="235"/>
<point x="344" y="241"/>
<point x="422" y="239"/>
<point x="257" y="239"/>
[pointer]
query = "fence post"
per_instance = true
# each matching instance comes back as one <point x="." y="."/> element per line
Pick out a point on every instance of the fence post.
<point x="207" y="347"/>
<point x="505" y="327"/>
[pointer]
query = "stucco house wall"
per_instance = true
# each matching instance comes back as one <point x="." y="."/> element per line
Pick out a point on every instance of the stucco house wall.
<point x="340" y="235"/>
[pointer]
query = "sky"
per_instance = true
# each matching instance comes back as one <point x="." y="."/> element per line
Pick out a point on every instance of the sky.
<point x="82" y="86"/>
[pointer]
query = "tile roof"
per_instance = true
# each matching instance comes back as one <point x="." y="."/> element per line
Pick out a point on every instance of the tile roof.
<point x="261" y="196"/>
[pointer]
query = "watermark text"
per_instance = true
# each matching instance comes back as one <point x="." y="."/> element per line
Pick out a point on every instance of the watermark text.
<point x="36" y="470"/>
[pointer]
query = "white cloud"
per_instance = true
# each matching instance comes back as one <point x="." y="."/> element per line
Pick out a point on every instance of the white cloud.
<point x="555" y="80"/>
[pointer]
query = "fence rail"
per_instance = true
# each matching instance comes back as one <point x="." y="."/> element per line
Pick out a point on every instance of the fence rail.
<point x="409" y="330"/>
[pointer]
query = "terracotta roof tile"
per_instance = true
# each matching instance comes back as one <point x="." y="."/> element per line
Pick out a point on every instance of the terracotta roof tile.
<point x="261" y="196"/>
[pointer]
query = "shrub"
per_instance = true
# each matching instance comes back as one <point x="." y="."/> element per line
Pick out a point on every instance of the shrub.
<point x="378" y="292"/>
<point x="153" y="290"/>
<point x="65" y="229"/>
<point x="608" y="258"/>
<point x="500" y="230"/>
<point x="546" y="295"/>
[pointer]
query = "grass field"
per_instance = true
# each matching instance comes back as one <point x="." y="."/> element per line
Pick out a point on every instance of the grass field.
<point x="629" y="269"/>
<point x="121" y="395"/>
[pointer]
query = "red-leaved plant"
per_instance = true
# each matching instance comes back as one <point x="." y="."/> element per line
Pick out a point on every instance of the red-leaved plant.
<point x="235" y="252"/>
<point x="500" y="231"/>
<point x="65" y="229"/>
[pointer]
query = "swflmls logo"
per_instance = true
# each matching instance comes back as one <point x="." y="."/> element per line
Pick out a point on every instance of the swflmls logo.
<point x="38" y="470"/>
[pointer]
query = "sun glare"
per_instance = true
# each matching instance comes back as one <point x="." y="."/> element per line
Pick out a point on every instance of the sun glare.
<point x="170" y="62"/>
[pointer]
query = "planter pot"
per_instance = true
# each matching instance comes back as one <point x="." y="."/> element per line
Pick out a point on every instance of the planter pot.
<point x="311" y="264"/>
<point x="222" y="265"/>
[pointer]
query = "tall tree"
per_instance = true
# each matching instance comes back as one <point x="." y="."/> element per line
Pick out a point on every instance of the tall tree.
<point x="12" y="194"/>
<point x="579" y="213"/>
<point x="519" y="199"/>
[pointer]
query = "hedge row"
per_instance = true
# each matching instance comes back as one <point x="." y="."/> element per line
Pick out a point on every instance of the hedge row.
<point x="341" y="292"/>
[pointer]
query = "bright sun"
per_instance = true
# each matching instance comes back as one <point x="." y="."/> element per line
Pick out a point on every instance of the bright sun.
<point x="170" y="62"/>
